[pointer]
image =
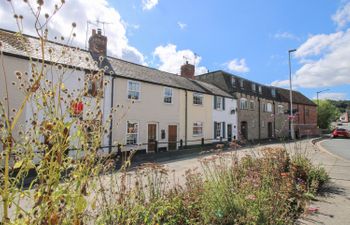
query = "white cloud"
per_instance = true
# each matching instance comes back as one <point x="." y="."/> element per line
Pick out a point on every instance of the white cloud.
<point x="342" y="16"/>
<point x="331" y="96"/>
<point x="172" y="59"/>
<point x="149" y="4"/>
<point x="78" y="11"/>
<point x="286" y="35"/>
<point x="182" y="25"/>
<point x="238" y="65"/>
<point x="318" y="43"/>
<point x="332" y="66"/>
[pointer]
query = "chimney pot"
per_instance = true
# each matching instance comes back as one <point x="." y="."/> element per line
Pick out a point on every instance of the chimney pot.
<point x="98" y="43"/>
<point x="187" y="70"/>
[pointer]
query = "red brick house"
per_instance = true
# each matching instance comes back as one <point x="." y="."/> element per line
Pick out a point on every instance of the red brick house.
<point x="305" y="113"/>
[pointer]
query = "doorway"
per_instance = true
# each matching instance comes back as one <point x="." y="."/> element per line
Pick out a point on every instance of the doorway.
<point x="229" y="132"/>
<point x="172" y="137"/>
<point x="269" y="129"/>
<point x="244" y="130"/>
<point x="152" y="137"/>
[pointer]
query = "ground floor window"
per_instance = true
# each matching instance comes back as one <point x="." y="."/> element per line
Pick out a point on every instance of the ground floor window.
<point x="219" y="130"/>
<point x="198" y="129"/>
<point x="132" y="133"/>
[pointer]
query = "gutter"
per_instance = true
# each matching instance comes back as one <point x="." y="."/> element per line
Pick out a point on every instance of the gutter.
<point x="259" y="119"/>
<point x="186" y="111"/>
<point x="111" y="123"/>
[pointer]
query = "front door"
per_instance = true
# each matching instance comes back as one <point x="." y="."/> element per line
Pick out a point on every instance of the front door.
<point x="269" y="129"/>
<point x="172" y="137"/>
<point x="152" y="137"/>
<point x="229" y="132"/>
<point x="244" y="130"/>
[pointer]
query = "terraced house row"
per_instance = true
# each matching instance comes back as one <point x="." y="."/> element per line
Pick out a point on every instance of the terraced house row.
<point x="157" y="110"/>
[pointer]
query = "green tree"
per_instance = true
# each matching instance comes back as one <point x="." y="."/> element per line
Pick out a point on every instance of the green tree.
<point x="327" y="113"/>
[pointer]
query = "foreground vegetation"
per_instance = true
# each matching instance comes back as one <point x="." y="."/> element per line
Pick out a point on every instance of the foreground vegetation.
<point x="273" y="188"/>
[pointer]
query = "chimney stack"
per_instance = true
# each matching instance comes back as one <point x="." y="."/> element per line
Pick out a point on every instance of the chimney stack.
<point x="187" y="70"/>
<point x="98" y="43"/>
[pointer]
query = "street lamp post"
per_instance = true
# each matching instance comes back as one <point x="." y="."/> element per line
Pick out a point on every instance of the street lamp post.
<point x="292" y="133"/>
<point x="318" y="93"/>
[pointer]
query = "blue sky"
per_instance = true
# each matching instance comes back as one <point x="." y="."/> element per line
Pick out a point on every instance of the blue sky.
<point x="249" y="38"/>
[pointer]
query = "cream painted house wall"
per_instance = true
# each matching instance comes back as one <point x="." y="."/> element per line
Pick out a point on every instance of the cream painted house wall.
<point x="73" y="79"/>
<point x="196" y="113"/>
<point x="150" y="109"/>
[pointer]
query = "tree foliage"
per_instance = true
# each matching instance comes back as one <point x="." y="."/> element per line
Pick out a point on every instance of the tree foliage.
<point x="327" y="113"/>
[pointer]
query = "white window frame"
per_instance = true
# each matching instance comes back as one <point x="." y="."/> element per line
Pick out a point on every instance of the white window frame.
<point x="260" y="89"/>
<point x="253" y="87"/>
<point x="134" y="133"/>
<point x="138" y="89"/>
<point x="243" y="103"/>
<point x="199" y="127"/>
<point x="268" y="107"/>
<point x="219" y="102"/>
<point x="251" y="103"/>
<point x="166" y="96"/>
<point x="199" y="96"/>
<point x="280" y="109"/>
<point x="219" y="126"/>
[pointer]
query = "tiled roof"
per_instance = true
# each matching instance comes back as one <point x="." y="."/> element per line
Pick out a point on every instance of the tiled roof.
<point x="298" y="97"/>
<point x="213" y="89"/>
<point x="134" y="71"/>
<point x="29" y="47"/>
<point x="25" y="46"/>
<point x="223" y="80"/>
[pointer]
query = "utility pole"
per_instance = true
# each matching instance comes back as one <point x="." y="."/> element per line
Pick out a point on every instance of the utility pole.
<point x="292" y="133"/>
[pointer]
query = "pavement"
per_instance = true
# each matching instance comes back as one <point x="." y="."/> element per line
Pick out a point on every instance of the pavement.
<point x="333" y="204"/>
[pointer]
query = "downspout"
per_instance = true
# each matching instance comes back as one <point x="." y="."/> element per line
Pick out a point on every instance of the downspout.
<point x="111" y="122"/>
<point x="274" y="119"/>
<point x="186" y="111"/>
<point x="259" y="119"/>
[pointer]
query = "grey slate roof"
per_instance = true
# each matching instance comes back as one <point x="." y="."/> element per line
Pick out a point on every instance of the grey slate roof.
<point x="138" y="72"/>
<point x="213" y="89"/>
<point x="298" y="97"/>
<point x="25" y="46"/>
<point x="222" y="79"/>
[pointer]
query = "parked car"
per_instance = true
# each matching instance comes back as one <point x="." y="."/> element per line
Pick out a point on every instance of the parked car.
<point x="340" y="132"/>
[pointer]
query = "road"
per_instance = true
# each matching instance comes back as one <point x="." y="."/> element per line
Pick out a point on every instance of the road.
<point x="339" y="147"/>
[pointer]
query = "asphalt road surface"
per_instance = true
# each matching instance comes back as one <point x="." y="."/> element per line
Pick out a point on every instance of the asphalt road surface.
<point x="340" y="147"/>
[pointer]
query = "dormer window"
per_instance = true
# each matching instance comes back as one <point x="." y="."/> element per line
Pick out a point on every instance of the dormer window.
<point x="273" y="92"/>
<point x="233" y="81"/>
<point x="253" y="87"/>
<point x="241" y="83"/>
<point x="260" y="90"/>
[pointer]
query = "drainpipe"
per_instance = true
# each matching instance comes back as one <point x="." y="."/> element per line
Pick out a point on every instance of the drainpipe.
<point x="111" y="123"/>
<point x="259" y="119"/>
<point x="274" y="119"/>
<point x="186" y="109"/>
